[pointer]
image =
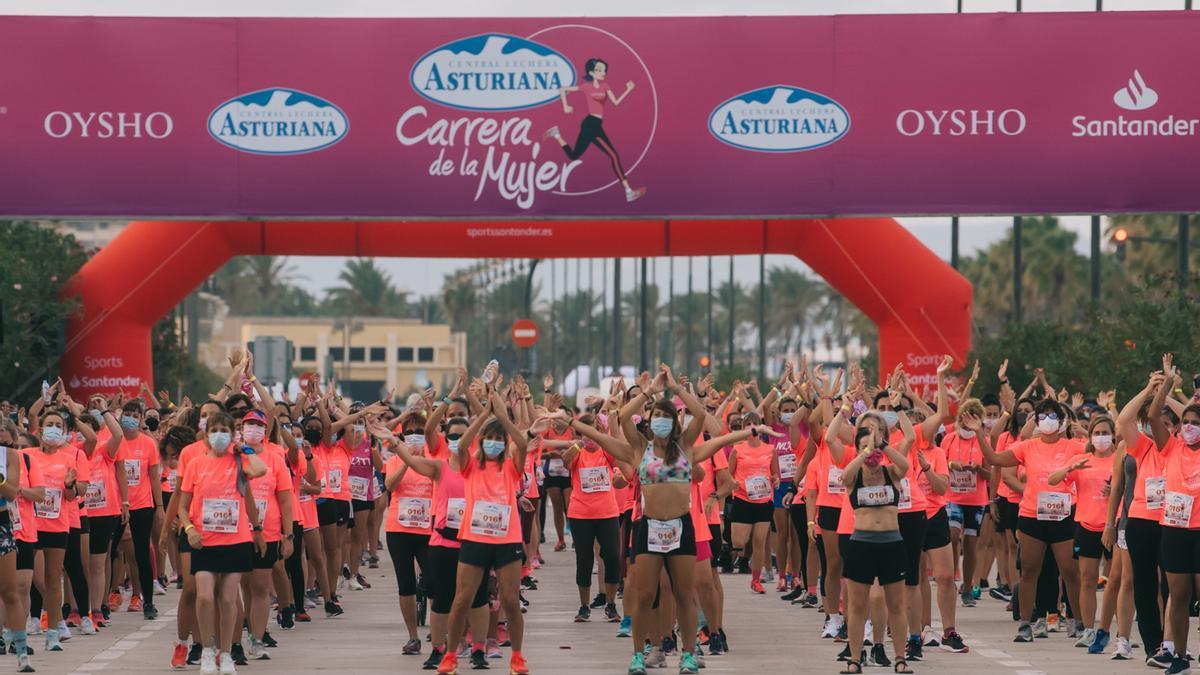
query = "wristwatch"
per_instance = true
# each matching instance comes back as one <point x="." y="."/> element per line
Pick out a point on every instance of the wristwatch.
<point x="289" y="536"/>
<point x="257" y="528"/>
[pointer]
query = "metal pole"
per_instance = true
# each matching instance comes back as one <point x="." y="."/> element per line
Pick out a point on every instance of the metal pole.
<point x="604" y="295"/>
<point x="710" y="310"/>
<point x="762" y="317"/>
<point x="643" y="354"/>
<point x="690" y="353"/>
<point x="1017" y="269"/>
<point x="591" y="324"/>
<point x="553" y="326"/>
<point x="1183" y="251"/>
<point x="670" y="355"/>
<point x="732" y="310"/>
<point x="527" y="353"/>
<point x="616" y="324"/>
<point x="954" y="239"/>
<point x="1096" y="257"/>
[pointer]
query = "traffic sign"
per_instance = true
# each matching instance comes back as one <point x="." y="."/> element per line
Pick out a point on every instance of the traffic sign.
<point x="524" y="333"/>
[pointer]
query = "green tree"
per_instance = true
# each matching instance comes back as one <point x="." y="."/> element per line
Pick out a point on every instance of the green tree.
<point x="366" y="290"/>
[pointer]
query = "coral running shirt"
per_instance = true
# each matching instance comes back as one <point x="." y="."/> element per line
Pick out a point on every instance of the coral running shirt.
<point x="1091" y="502"/>
<point x="752" y="472"/>
<point x="1041" y="459"/>
<point x="269" y="489"/>
<point x="411" y="506"/>
<point x="217" y="508"/>
<point x="592" y="493"/>
<point x="967" y="488"/>
<point x="52" y="512"/>
<point x="1181" y="501"/>
<point x="490" y="511"/>
<point x="139" y="454"/>
<point x="1151" y="484"/>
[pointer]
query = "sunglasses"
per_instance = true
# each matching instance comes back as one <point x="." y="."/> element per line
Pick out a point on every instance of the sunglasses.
<point x="1048" y="416"/>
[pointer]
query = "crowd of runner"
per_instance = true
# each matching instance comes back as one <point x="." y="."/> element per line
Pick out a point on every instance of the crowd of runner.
<point x="872" y="505"/>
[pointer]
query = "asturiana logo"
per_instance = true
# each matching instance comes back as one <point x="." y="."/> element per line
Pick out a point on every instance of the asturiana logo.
<point x="278" y="121"/>
<point x="492" y="72"/>
<point x="779" y="118"/>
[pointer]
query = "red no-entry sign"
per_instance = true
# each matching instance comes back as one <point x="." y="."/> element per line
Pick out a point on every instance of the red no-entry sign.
<point x="524" y="333"/>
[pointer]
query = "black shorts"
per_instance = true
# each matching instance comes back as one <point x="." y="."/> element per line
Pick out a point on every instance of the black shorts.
<point x="966" y="518"/>
<point x="937" y="531"/>
<point x="490" y="556"/>
<point x="828" y="517"/>
<point x="267" y="561"/>
<point x="715" y="531"/>
<point x="1047" y="531"/>
<point x="749" y="513"/>
<point x="360" y="505"/>
<point x="333" y="512"/>
<point x="865" y="561"/>
<point x="52" y="540"/>
<point x="1008" y="516"/>
<point x="103" y="528"/>
<point x="85" y="525"/>
<point x="1179" y="551"/>
<point x="687" y="538"/>
<point x="912" y="528"/>
<point x="1088" y="544"/>
<point x="184" y="546"/>
<point x="26" y="550"/>
<point x="223" y="559"/>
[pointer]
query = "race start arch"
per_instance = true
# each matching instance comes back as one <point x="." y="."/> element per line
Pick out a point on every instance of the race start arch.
<point x="921" y="306"/>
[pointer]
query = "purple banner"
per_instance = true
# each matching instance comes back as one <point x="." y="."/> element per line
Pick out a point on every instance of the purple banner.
<point x="561" y="118"/>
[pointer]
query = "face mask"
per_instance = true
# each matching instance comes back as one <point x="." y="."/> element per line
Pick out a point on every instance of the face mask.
<point x="129" y="423"/>
<point x="53" y="436"/>
<point x="219" y="440"/>
<point x="786" y="417"/>
<point x="874" y="458"/>
<point x="965" y="434"/>
<point x="313" y="436"/>
<point x="661" y="426"/>
<point x="493" y="448"/>
<point x="252" y="433"/>
<point x="891" y="418"/>
<point x="453" y="445"/>
<point x="687" y="420"/>
<point x="1022" y="417"/>
<point x="414" y="440"/>
<point x="96" y="414"/>
<point x="1190" y="433"/>
<point x="152" y="423"/>
<point x="1048" y="426"/>
<point x="359" y="428"/>
<point x="203" y="423"/>
<point x="989" y="422"/>
<point x="1102" y="441"/>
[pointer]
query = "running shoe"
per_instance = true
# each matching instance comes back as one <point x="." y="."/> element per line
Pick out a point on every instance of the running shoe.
<point x="227" y="665"/>
<point x="553" y="132"/>
<point x="114" y="599"/>
<point x="86" y="627"/>
<point x="464" y="650"/>
<point x="239" y="654"/>
<point x="449" y="664"/>
<point x="100" y="621"/>
<point x="355" y="584"/>
<point x="287" y="618"/>
<point x="768" y="575"/>
<point x="333" y="609"/>
<point x="953" y="642"/>
<point x="687" y="663"/>
<point x="560" y="546"/>
<point x="179" y="657"/>
<point x="598" y="601"/>
<point x="373" y="562"/>
<point x="968" y="600"/>
<point x="1002" y="593"/>
<point x="159" y="588"/>
<point x="1179" y="666"/>
<point x="64" y="632"/>
<point x="528" y="583"/>
<point x="33" y="626"/>
<point x="831" y="628"/>
<point x="913" y="650"/>
<point x="303" y="617"/>
<point x="810" y="601"/>
<point x="479" y="660"/>
<point x="584" y="615"/>
<point x="52" y="642"/>
<point x="724" y="640"/>
<point x="930" y="637"/>
<point x="502" y="634"/>
<point x="517" y="665"/>
<point x="756" y="586"/>
<point x="362" y="581"/>
<point x="73" y="619"/>
<point x="878" y="657"/>
<point x="626" y="627"/>
<point x="610" y="613"/>
<point x="23" y="664"/>
<point x="1099" y="642"/>
<point x="793" y="595"/>
<point x="1052" y="623"/>
<point x="257" y="651"/>
<point x="1041" y="628"/>
<point x="841" y="636"/>
<point x="411" y="647"/>
<point x="1024" y="633"/>
<point x="435" y="657"/>
<point x="844" y="655"/>
<point x="637" y="665"/>
<point x="196" y="654"/>
<point x="656" y="659"/>
<point x="1161" y="659"/>
<point x="1074" y="628"/>
<point x="715" y="648"/>
<point x="269" y="641"/>
<point x="149" y="612"/>
<point x="208" y="662"/>
<point x="1086" y="638"/>
<point x="135" y="604"/>
<point x="346" y="572"/>
<point x="781" y="584"/>
<point x="976" y="592"/>
<point x="669" y="644"/>
<point x="1122" y="650"/>
<point x="492" y="649"/>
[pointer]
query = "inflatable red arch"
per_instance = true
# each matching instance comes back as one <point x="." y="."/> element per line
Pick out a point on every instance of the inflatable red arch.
<point x="921" y="306"/>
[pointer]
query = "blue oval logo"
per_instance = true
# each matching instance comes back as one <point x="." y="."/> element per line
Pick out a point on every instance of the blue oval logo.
<point x="779" y="118"/>
<point x="278" y="121"/>
<point x="492" y="72"/>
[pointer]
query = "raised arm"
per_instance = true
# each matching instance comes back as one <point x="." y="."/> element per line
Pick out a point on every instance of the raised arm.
<point x="930" y="426"/>
<point x="1157" y="426"/>
<point x="619" y="449"/>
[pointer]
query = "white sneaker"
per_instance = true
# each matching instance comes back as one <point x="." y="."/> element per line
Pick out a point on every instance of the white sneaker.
<point x="33" y="626"/>
<point x="868" y="631"/>
<point x="656" y="658"/>
<point x="1121" y="649"/>
<point x="158" y="588"/>
<point x="354" y="585"/>
<point x="930" y="637"/>
<point x="52" y="642"/>
<point x="64" y="631"/>
<point x="257" y="652"/>
<point x="23" y="665"/>
<point x="208" y="661"/>
<point x="1040" y="629"/>
<point x="86" y="626"/>
<point x="1086" y="638"/>
<point x="341" y="583"/>
<point x="227" y="667"/>
<point x="552" y="132"/>
<point x="831" y="628"/>
<point x="768" y="575"/>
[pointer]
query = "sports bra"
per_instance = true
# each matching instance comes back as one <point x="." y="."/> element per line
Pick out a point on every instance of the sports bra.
<point x="654" y="469"/>
<point x="874" y="496"/>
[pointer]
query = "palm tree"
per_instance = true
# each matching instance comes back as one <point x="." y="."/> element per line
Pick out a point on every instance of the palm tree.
<point x="366" y="291"/>
<point x="792" y="297"/>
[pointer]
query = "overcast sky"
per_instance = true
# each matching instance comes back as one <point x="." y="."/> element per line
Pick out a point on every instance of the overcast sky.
<point x="425" y="276"/>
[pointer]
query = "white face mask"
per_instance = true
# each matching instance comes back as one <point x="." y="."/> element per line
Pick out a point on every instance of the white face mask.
<point x="990" y="422"/>
<point x="1102" y="442"/>
<point x="1049" y="426"/>
<point x="965" y="434"/>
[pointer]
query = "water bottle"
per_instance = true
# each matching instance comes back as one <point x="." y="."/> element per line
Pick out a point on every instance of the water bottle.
<point x="489" y="371"/>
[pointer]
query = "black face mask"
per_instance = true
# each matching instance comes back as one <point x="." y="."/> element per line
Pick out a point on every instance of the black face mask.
<point x="313" y="436"/>
<point x="152" y="423"/>
<point x="1021" y="418"/>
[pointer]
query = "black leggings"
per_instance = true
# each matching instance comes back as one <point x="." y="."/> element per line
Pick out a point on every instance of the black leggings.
<point x="294" y="566"/>
<point x="406" y="548"/>
<point x="592" y="131"/>
<point x="606" y="531"/>
<point x="443" y="580"/>
<point x="799" y="518"/>
<point x="1143" y="537"/>
<point x="140" y="523"/>
<point x="73" y="564"/>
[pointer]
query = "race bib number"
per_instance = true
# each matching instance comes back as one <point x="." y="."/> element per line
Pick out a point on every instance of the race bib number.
<point x="594" y="479"/>
<point x="220" y="515"/>
<point x="416" y="512"/>
<point x="875" y="495"/>
<point x="14" y="515"/>
<point x="96" y="496"/>
<point x="787" y="465"/>
<point x="663" y="536"/>
<point x="489" y="519"/>
<point x="905" y="495"/>
<point x="834" y="483"/>
<point x="1121" y="541"/>
<point x="541" y="475"/>
<point x="1053" y="505"/>
<point x="261" y="505"/>
<point x="557" y="469"/>
<point x="1156" y="490"/>
<point x="173" y="480"/>
<point x="454" y="512"/>
<point x="1177" y="509"/>
<point x="133" y="472"/>
<point x="963" y="481"/>
<point x="758" y="487"/>
<point x="360" y="488"/>
<point x="50" y="506"/>
<point x="335" y="481"/>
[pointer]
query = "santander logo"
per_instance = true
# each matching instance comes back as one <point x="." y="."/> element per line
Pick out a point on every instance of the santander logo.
<point x="1135" y="95"/>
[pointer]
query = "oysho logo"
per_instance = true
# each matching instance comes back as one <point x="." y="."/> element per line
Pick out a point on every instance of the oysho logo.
<point x="108" y="124"/>
<point x="278" y="121"/>
<point x="960" y="122"/>
<point x="1136" y="95"/>
<point x="779" y="118"/>
<point x="492" y="72"/>
<point x="94" y="362"/>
